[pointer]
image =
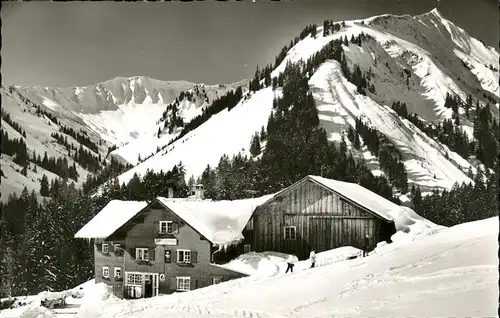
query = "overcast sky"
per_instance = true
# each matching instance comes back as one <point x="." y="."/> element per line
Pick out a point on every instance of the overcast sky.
<point x="82" y="43"/>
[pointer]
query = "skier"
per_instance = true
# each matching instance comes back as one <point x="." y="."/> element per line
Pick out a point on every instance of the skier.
<point x="312" y="258"/>
<point x="366" y="245"/>
<point x="291" y="263"/>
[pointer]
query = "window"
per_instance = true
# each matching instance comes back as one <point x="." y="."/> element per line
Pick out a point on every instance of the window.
<point x="183" y="283"/>
<point x="105" y="272"/>
<point x="133" y="279"/>
<point x="166" y="227"/>
<point x="118" y="249"/>
<point x="183" y="256"/>
<point x="142" y="254"/>
<point x="118" y="272"/>
<point x="105" y="248"/>
<point x="216" y="280"/>
<point x="247" y="248"/>
<point x="290" y="233"/>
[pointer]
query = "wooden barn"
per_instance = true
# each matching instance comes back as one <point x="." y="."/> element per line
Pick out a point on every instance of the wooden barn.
<point x="321" y="214"/>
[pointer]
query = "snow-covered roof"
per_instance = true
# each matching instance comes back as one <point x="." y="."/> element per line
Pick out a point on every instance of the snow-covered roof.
<point x="220" y="222"/>
<point x="365" y="198"/>
<point x="362" y="196"/>
<point x="110" y="218"/>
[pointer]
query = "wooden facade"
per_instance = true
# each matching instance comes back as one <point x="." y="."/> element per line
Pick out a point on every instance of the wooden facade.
<point x="322" y="219"/>
<point x="162" y="267"/>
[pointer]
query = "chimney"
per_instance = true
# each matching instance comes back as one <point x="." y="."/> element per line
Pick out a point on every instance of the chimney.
<point x="198" y="191"/>
<point x="170" y="193"/>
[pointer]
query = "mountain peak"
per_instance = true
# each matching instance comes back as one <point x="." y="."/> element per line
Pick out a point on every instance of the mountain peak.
<point x="434" y="13"/>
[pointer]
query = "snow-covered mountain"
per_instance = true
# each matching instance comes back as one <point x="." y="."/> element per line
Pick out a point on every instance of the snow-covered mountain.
<point x="112" y="114"/>
<point x="121" y="109"/>
<point x="412" y="59"/>
<point x="416" y="60"/>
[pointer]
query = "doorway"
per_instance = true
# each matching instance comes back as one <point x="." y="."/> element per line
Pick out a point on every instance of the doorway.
<point x="148" y="286"/>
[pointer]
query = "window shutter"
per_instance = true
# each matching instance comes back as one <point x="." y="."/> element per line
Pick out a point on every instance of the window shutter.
<point x="111" y="248"/>
<point x="157" y="226"/>
<point x="132" y="252"/>
<point x="194" y="257"/>
<point x="175" y="227"/>
<point x="99" y="247"/>
<point x="173" y="256"/>
<point x="194" y="283"/>
<point x="152" y="253"/>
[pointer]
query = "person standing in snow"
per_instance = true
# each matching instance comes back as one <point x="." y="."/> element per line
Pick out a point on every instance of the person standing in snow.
<point x="312" y="258"/>
<point x="291" y="263"/>
<point x="366" y="245"/>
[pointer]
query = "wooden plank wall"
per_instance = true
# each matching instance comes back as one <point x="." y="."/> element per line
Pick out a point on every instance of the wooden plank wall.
<point x="323" y="221"/>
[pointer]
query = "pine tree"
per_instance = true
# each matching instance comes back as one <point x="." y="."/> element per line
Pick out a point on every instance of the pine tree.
<point x="417" y="199"/>
<point x="357" y="142"/>
<point x="24" y="171"/>
<point x="223" y="179"/>
<point x="7" y="273"/>
<point x="44" y="186"/>
<point x="262" y="134"/>
<point x="191" y="182"/>
<point x="255" y="145"/>
<point x="275" y="83"/>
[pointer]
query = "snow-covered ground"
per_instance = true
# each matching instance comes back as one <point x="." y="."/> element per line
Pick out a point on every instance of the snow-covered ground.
<point x="429" y="271"/>
<point x="272" y="263"/>
<point x="93" y="295"/>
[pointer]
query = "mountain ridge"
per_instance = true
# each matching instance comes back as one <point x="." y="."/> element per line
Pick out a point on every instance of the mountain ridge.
<point x="417" y="60"/>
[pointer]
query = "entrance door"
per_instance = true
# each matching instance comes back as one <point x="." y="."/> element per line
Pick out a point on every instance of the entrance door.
<point x="319" y="234"/>
<point x="148" y="286"/>
<point x="156" y="284"/>
<point x="347" y="233"/>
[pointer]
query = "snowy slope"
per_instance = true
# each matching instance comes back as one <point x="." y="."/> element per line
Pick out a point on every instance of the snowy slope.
<point x="38" y="139"/>
<point x="149" y="143"/>
<point x="227" y="132"/>
<point x="450" y="272"/>
<point x="339" y="106"/>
